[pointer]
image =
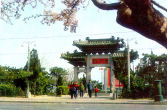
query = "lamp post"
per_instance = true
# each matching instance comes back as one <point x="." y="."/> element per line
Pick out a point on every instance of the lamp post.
<point x="128" y="62"/>
<point x="28" y="93"/>
<point x="128" y="65"/>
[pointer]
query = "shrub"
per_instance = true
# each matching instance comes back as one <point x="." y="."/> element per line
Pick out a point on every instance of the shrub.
<point x="65" y="90"/>
<point x="59" y="91"/>
<point x="10" y="90"/>
<point x="62" y="90"/>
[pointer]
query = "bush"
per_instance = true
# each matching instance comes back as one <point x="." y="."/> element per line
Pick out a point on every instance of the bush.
<point x="138" y="89"/>
<point x="65" y="90"/>
<point x="10" y="90"/>
<point x="59" y="91"/>
<point x="62" y="90"/>
<point x="19" y="92"/>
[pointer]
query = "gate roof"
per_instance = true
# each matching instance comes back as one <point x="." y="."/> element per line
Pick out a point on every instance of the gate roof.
<point x="108" y="45"/>
<point x="92" y="47"/>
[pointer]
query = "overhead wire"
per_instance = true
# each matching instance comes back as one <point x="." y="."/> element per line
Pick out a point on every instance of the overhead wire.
<point x="59" y="53"/>
<point x="45" y="36"/>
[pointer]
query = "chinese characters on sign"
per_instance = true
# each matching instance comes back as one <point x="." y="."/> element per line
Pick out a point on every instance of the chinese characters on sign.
<point x="100" y="61"/>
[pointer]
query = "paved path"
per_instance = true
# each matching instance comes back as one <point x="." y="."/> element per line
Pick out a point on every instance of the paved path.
<point x="85" y="100"/>
<point x="58" y="106"/>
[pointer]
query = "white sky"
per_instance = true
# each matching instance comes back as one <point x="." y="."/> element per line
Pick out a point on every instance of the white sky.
<point x="52" y="40"/>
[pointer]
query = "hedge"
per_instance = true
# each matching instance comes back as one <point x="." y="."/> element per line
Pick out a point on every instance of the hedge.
<point x="10" y="90"/>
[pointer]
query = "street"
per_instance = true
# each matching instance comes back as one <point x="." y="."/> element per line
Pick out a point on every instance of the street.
<point x="56" y="106"/>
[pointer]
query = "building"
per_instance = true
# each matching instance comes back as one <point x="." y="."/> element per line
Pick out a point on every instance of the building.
<point x="95" y="53"/>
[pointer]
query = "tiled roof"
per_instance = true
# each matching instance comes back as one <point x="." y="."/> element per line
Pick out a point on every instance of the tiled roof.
<point x="110" y="46"/>
<point x="107" y="41"/>
<point x="99" y="45"/>
<point x="73" y="55"/>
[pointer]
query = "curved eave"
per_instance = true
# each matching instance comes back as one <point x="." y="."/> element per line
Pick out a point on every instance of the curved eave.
<point x="72" y="57"/>
<point x="78" y="63"/>
<point x="76" y="59"/>
<point x="94" y="44"/>
<point x="99" y="48"/>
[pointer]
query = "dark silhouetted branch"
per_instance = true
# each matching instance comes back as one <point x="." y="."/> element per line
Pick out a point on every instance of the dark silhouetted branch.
<point x="104" y="6"/>
<point x="155" y="3"/>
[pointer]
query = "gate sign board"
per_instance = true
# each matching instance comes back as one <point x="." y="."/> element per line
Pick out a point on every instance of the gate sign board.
<point x="99" y="60"/>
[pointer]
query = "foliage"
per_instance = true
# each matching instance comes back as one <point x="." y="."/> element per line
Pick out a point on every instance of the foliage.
<point x="62" y="90"/>
<point x="59" y="74"/>
<point x="139" y="89"/>
<point x="57" y="71"/>
<point x="120" y="65"/>
<point x="10" y="75"/>
<point x="39" y="79"/>
<point x="20" y="80"/>
<point x="97" y="84"/>
<point x="133" y="55"/>
<point x="41" y="85"/>
<point x="83" y="80"/>
<point x="10" y="90"/>
<point x="13" y="79"/>
<point x="152" y="68"/>
<point x="35" y="65"/>
<point x="94" y="82"/>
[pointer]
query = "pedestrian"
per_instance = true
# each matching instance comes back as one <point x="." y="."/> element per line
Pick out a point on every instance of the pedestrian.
<point x="76" y="89"/>
<point x="96" y="90"/>
<point x="90" y="88"/>
<point x="72" y="89"/>
<point x="81" y="89"/>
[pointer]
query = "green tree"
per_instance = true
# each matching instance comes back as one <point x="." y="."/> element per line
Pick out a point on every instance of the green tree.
<point x="35" y="65"/>
<point x="120" y="65"/>
<point x="6" y="74"/>
<point x="12" y="81"/>
<point x="59" y="74"/>
<point x="121" y="70"/>
<point x="39" y="78"/>
<point x="20" y="79"/>
<point x="142" y="81"/>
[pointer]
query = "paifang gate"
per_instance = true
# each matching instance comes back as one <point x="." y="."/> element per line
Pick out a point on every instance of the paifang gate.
<point x="95" y="53"/>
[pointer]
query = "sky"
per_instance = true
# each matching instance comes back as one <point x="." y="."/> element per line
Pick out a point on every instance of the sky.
<point x="52" y="41"/>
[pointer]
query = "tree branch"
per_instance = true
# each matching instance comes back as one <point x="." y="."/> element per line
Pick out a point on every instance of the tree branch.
<point x="104" y="6"/>
<point x="155" y="3"/>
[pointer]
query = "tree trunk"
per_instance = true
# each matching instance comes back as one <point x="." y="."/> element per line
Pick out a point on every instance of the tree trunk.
<point x="140" y="16"/>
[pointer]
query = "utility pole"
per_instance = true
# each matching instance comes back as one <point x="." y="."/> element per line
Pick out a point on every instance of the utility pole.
<point x="128" y="65"/>
<point x="128" y="62"/>
<point x="28" y="93"/>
